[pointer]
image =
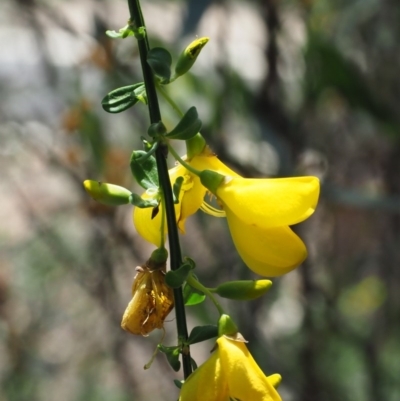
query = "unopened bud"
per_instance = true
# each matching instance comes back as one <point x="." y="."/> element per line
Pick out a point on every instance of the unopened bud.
<point x="226" y="326"/>
<point x="107" y="194"/>
<point x="243" y="290"/>
<point x="188" y="57"/>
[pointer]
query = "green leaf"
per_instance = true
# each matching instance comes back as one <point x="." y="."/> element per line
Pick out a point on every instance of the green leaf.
<point x="121" y="34"/>
<point x="202" y="333"/>
<point x="140" y="93"/>
<point x="123" y="98"/>
<point x="193" y="363"/>
<point x="176" y="189"/>
<point x="192" y="296"/>
<point x="188" y="127"/>
<point x="138" y="201"/>
<point x="178" y="383"/>
<point x="144" y="169"/>
<point x="172" y="354"/>
<point x="176" y="278"/>
<point x="160" y="61"/>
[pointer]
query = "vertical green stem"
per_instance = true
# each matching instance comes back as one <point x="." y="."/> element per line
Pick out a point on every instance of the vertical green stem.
<point x="165" y="184"/>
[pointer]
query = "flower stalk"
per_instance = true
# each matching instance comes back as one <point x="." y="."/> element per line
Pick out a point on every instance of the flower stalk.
<point x="164" y="181"/>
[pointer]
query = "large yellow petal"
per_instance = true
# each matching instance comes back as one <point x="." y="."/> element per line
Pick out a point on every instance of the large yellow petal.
<point x="207" y="383"/>
<point x="246" y="381"/>
<point x="267" y="251"/>
<point x="270" y="202"/>
<point x="209" y="161"/>
<point x="147" y="227"/>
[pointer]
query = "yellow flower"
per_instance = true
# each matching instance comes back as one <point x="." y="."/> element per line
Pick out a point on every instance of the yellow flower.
<point x="149" y="227"/>
<point x="190" y="199"/>
<point x="259" y="212"/>
<point x="231" y="372"/>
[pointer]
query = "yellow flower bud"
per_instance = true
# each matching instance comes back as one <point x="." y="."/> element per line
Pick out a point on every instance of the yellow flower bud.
<point x="107" y="194"/>
<point x="243" y="290"/>
<point x="188" y="57"/>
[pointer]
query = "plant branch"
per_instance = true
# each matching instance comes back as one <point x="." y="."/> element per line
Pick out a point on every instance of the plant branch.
<point x="165" y="184"/>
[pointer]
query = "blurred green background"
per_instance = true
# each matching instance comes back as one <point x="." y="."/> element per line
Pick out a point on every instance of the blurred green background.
<point x="283" y="88"/>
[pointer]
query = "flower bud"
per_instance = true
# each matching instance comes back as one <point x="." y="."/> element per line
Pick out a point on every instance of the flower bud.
<point x="243" y="290"/>
<point x="158" y="257"/>
<point x="107" y="194"/>
<point x="188" y="57"/>
<point x="226" y="326"/>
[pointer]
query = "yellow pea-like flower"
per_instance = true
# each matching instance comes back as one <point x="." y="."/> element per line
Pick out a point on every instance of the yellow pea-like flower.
<point x="152" y="301"/>
<point x="190" y="199"/>
<point x="230" y="373"/>
<point x="259" y="212"/>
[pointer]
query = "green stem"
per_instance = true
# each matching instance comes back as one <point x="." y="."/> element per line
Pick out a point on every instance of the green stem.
<point x="162" y="236"/>
<point x="169" y="100"/>
<point x="165" y="184"/>
<point x="181" y="161"/>
<point x="198" y="286"/>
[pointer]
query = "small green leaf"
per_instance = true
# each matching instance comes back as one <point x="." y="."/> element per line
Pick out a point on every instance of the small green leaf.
<point x="138" y="201"/>
<point x="192" y="296"/>
<point x="188" y="127"/>
<point x="140" y="93"/>
<point x="160" y="61"/>
<point x="114" y="34"/>
<point x="178" y="383"/>
<point x="176" y="189"/>
<point x="172" y="354"/>
<point x="144" y="169"/>
<point x="193" y="363"/>
<point x="122" y="33"/>
<point x="202" y="333"/>
<point x="176" y="278"/>
<point x="123" y="98"/>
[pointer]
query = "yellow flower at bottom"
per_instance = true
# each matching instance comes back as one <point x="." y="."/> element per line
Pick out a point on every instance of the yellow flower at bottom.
<point x="231" y="372"/>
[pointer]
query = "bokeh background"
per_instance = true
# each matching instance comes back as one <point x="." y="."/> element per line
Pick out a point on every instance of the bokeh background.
<point x="283" y="88"/>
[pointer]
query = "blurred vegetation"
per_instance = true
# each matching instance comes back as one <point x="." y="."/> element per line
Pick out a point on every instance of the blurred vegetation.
<point x="283" y="88"/>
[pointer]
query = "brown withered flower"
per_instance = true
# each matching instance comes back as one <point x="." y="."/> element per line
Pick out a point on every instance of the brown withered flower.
<point x="152" y="300"/>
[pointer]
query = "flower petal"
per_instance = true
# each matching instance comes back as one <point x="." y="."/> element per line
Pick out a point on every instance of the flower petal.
<point x="270" y="202"/>
<point x="208" y="382"/>
<point x="191" y="196"/>
<point x="267" y="251"/>
<point x="209" y="161"/>
<point x="149" y="228"/>
<point x="246" y="381"/>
